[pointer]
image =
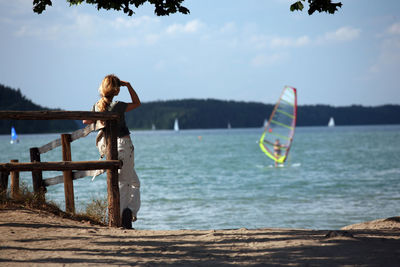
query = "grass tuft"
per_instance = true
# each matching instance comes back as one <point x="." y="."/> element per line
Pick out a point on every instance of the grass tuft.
<point x="96" y="210"/>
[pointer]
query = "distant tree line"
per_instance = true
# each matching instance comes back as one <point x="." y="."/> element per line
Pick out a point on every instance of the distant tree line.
<point x="318" y="115"/>
<point x="211" y="113"/>
<point x="202" y="114"/>
<point x="198" y="114"/>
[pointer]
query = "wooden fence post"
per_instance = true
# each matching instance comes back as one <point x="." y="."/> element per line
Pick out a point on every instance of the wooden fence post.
<point x="68" y="179"/>
<point x="114" y="217"/>
<point x="14" y="182"/>
<point x="37" y="177"/>
<point x="3" y="183"/>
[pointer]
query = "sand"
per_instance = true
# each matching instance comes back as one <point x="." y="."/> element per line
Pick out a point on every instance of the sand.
<point x="39" y="238"/>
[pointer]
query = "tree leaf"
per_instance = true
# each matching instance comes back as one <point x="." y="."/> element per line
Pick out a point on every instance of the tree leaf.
<point x="297" y="6"/>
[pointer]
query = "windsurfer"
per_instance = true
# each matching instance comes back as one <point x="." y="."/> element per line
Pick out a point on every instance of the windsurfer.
<point x="277" y="150"/>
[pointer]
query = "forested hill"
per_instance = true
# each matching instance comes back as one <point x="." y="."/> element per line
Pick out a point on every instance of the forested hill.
<point x="202" y="114"/>
<point x="211" y="113"/>
<point x="12" y="99"/>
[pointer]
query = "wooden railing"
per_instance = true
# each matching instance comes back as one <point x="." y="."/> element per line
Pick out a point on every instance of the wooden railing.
<point x="81" y="168"/>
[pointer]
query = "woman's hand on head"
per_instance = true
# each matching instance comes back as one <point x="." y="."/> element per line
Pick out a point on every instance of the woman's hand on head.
<point x="123" y="83"/>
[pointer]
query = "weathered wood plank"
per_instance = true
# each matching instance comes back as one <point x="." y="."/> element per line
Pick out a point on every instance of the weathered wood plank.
<point x="47" y="147"/>
<point x="68" y="180"/>
<point x="83" y="132"/>
<point x="114" y="217"/>
<point x="75" y="175"/>
<point x="14" y="185"/>
<point x="37" y="176"/>
<point x="3" y="182"/>
<point x="74" y="136"/>
<point x="57" y="115"/>
<point x="60" y="165"/>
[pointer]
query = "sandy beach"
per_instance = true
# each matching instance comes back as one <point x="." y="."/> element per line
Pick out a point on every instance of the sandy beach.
<point x="37" y="238"/>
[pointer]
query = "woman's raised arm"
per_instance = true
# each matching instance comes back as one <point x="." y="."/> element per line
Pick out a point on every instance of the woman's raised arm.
<point x="135" y="99"/>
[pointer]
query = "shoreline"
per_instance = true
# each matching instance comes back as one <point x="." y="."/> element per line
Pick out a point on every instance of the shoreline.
<point x="34" y="237"/>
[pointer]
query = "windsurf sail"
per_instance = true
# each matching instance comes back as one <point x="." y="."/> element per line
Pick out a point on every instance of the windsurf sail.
<point x="14" y="136"/>
<point x="278" y="134"/>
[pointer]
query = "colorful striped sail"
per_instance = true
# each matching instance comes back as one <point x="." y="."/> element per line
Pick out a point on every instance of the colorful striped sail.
<point x="278" y="134"/>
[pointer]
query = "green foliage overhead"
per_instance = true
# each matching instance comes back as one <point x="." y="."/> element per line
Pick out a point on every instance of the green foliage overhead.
<point x="167" y="7"/>
<point x="317" y="5"/>
<point x="161" y="7"/>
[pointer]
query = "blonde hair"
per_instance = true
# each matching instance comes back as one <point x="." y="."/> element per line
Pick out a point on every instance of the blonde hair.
<point x="109" y="88"/>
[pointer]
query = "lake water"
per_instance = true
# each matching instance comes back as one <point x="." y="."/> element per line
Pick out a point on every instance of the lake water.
<point x="220" y="179"/>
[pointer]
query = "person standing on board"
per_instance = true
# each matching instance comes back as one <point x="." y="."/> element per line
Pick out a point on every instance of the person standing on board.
<point x="129" y="184"/>
<point x="277" y="151"/>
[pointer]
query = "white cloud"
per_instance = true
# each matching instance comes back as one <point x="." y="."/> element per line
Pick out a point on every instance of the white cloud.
<point x="122" y="22"/>
<point x="160" y="65"/>
<point x="289" y="42"/>
<point x="389" y="57"/>
<point x="342" y="34"/>
<point x="228" y="27"/>
<point x="262" y="41"/>
<point x="74" y="25"/>
<point x="394" y="29"/>
<point x="16" y="7"/>
<point x="268" y="59"/>
<point x="52" y="32"/>
<point x="259" y="41"/>
<point x="302" y="41"/>
<point x="151" y="39"/>
<point x="190" y="27"/>
<point x="125" y="42"/>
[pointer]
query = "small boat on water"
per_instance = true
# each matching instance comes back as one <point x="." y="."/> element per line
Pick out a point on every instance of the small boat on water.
<point x="331" y="122"/>
<point x="176" y="125"/>
<point x="14" y="136"/>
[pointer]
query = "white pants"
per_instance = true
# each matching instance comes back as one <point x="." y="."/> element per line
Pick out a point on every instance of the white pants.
<point x="129" y="184"/>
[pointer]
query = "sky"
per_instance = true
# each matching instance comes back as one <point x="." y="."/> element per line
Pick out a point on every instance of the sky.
<point x="226" y="49"/>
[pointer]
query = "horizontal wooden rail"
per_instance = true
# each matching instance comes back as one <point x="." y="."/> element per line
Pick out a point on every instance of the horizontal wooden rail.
<point x="74" y="136"/>
<point x="75" y="175"/>
<point x="57" y="115"/>
<point x="61" y="165"/>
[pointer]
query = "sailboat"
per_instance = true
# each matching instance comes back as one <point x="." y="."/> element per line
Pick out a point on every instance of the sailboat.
<point x="153" y="127"/>
<point x="229" y="126"/>
<point x="277" y="137"/>
<point x="14" y="136"/>
<point x="331" y="122"/>
<point x="176" y="125"/>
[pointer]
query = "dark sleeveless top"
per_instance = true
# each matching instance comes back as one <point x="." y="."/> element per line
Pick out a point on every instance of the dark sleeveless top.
<point x="120" y="108"/>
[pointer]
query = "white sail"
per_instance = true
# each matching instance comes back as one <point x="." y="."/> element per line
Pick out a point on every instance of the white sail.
<point x="331" y="122"/>
<point x="176" y="125"/>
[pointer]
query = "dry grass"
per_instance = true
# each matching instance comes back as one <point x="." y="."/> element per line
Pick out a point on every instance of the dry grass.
<point x="96" y="210"/>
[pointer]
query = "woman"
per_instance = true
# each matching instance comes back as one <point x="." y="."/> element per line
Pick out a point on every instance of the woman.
<point x="129" y="184"/>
